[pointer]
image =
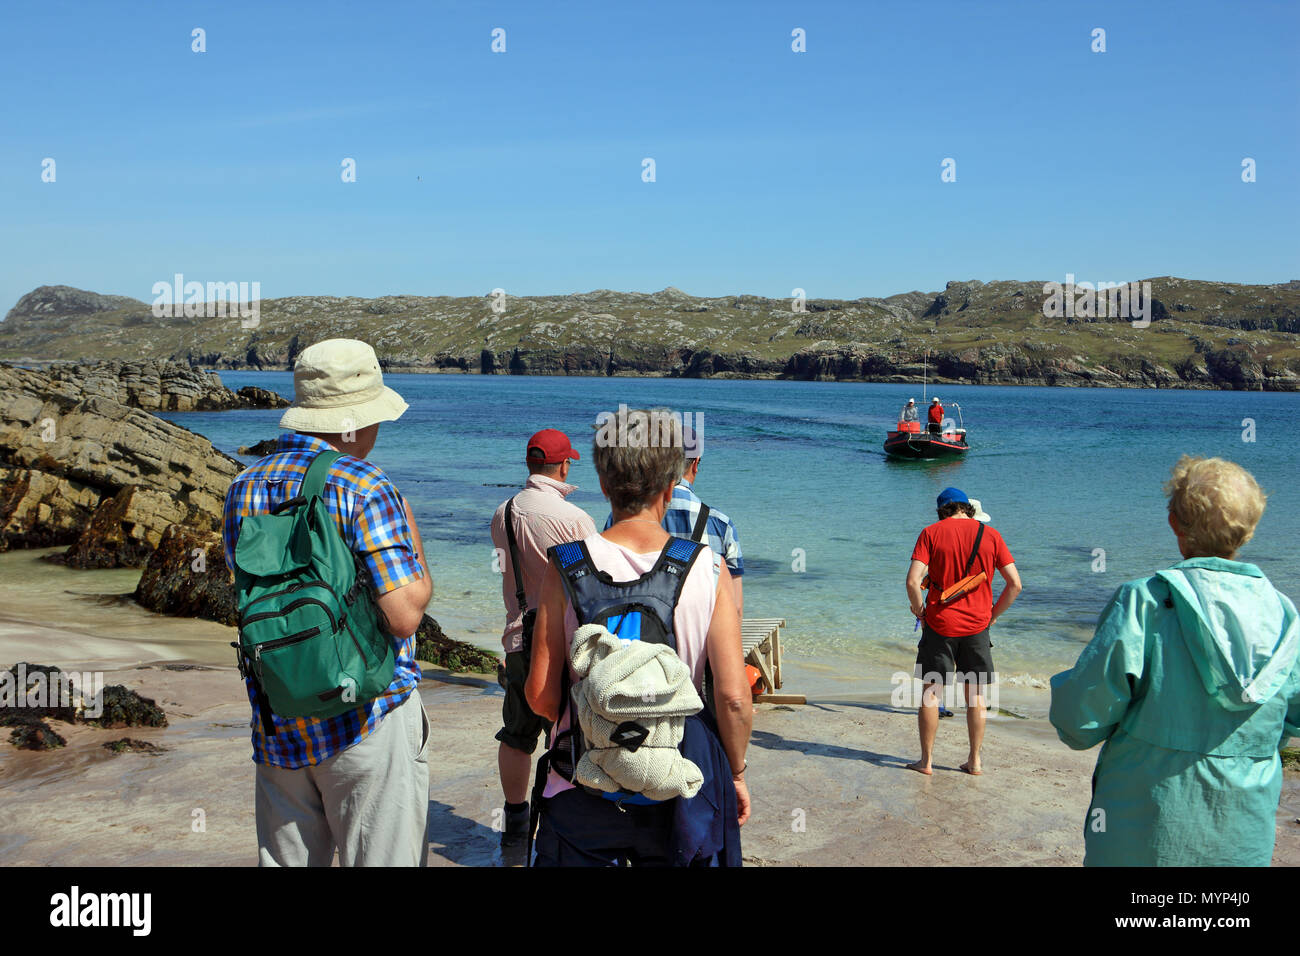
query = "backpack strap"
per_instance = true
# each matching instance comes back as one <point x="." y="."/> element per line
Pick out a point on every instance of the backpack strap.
<point x="975" y="550"/>
<point x="701" y="523"/>
<point x="678" y="556"/>
<point x="514" y="557"/>
<point x="313" y="482"/>
<point x="572" y="560"/>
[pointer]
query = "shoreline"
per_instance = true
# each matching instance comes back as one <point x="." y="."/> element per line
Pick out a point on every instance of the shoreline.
<point x="829" y="781"/>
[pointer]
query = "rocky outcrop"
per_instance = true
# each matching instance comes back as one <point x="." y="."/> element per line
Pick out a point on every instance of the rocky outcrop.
<point x="159" y="386"/>
<point x="432" y="645"/>
<point x="186" y="576"/>
<point x="82" y="469"/>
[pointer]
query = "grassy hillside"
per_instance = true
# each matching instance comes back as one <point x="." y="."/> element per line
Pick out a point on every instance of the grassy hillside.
<point x="1202" y="334"/>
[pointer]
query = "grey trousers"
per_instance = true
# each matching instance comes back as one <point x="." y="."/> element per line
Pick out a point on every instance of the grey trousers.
<point x="371" y="801"/>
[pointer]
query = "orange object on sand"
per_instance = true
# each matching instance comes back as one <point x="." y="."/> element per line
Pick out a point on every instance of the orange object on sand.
<point x="755" y="678"/>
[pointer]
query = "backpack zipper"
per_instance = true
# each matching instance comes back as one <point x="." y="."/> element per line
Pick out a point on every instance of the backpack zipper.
<point x="289" y="590"/>
<point x="282" y="641"/>
<point x="360" y="650"/>
<point x="334" y="625"/>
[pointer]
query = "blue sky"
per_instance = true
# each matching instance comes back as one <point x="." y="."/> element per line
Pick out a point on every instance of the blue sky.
<point x="774" y="169"/>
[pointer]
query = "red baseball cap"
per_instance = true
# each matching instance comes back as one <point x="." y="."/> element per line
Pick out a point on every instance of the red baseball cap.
<point x="550" y="446"/>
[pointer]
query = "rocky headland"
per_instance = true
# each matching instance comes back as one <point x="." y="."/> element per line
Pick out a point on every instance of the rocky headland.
<point x="84" y="466"/>
<point x="1201" y="335"/>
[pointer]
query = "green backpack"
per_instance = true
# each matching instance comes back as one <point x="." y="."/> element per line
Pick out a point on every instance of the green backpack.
<point x="310" y="636"/>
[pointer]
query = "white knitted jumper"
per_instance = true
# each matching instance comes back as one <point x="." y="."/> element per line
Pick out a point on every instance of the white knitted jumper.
<point x="631" y="680"/>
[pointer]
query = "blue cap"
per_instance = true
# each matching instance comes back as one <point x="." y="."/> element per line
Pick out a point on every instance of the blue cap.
<point x="951" y="494"/>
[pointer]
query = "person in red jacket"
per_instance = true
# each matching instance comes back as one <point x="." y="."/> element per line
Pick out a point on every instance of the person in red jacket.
<point x="936" y="416"/>
<point x="955" y="643"/>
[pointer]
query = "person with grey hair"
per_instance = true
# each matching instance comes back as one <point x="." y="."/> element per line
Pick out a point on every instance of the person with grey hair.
<point x="675" y="592"/>
<point x="1191" y="684"/>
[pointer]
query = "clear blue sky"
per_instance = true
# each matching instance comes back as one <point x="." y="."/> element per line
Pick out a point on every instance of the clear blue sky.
<point x="775" y="169"/>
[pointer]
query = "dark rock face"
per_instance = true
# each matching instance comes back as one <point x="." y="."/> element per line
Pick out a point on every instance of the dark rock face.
<point x="262" y="448"/>
<point x="432" y="645"/>
<point x="186" y="576"/>
<point x="254" y="397"/>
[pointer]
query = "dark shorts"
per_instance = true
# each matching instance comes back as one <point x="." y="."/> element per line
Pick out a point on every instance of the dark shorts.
<point x="579" y="829"/>
<point x="942" y="659"/>
<point x="520" y="726"/>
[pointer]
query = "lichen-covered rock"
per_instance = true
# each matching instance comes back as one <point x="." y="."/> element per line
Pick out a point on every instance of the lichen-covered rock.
<point x="40" y="510"/>
<point x="96" y="474"/>
<point x="124" y="530"/>
<point x="186" y="576"/>
<point x="31" y="733"/>
<point x="39" y="691"/>
<point x="123" y="707"/>
<point x="432" y="645"/>
<point x="128" y="745"/>
<point x="152" y="385"/>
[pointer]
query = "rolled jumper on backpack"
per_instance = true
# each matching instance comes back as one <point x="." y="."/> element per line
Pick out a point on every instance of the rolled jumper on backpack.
<point x="637" y="610"/>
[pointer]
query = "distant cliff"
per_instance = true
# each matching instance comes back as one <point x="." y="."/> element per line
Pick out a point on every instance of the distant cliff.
<point x="1201" y="335"/>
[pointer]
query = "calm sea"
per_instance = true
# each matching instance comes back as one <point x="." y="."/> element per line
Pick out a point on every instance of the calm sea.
<point x="1071" y="477"/>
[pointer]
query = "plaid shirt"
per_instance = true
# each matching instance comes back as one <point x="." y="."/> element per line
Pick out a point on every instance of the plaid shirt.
<point x="371" y="517"/>
<point x="719" y="531"/>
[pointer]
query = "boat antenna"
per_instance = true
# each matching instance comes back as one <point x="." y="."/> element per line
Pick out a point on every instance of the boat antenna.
<point x="924" y="373"/>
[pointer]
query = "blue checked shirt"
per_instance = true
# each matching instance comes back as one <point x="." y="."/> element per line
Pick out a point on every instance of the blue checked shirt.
<point x="371" y="517"/>
<point x="719" y="531"/>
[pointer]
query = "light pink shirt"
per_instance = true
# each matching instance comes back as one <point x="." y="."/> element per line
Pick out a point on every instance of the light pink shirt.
<point x="691" y="617"/>
<point x="542" y="519"/>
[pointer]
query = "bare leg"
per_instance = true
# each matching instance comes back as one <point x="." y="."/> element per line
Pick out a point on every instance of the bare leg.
<point x="974" y="727"/>
<point x="927" y="719"/>
<point x="515" y="767"/>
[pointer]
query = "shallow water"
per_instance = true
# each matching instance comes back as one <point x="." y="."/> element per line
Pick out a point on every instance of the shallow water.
<point x="798" y="465"/>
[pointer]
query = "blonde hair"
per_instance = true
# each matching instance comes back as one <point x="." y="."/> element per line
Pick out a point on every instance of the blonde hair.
<point x="1217" y="504"/>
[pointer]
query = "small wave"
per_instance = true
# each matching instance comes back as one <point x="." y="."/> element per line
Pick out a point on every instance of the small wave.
<point x="1024" y="680"/>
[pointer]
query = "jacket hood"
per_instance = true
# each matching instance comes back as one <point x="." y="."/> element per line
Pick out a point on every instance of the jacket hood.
<point x="1242" y="634"/>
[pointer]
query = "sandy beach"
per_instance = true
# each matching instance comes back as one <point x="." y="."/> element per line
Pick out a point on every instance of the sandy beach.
<point x="828" y="778"/>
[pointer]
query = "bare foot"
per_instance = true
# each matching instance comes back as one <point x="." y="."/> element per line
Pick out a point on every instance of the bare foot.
<point x="921" y="767"/>
<point x="972" y="768"/>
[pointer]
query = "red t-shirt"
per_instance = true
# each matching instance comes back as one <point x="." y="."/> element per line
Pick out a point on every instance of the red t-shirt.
<point x="936" y="416"/>
<point x="944" y="546"/>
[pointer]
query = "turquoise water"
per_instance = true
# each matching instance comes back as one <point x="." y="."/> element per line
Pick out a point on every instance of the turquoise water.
<point x="798" y="465"/>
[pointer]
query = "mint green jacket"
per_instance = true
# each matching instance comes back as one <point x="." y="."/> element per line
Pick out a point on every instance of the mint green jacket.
<point x="1191" y="681"/>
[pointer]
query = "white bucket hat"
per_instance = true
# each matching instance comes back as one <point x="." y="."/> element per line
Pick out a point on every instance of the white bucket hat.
<point x="338" y="387"/>
<point x="980" y="514"/>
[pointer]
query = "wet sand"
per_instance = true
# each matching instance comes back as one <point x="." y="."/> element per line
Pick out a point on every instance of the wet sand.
<point x="828" y="778"/>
